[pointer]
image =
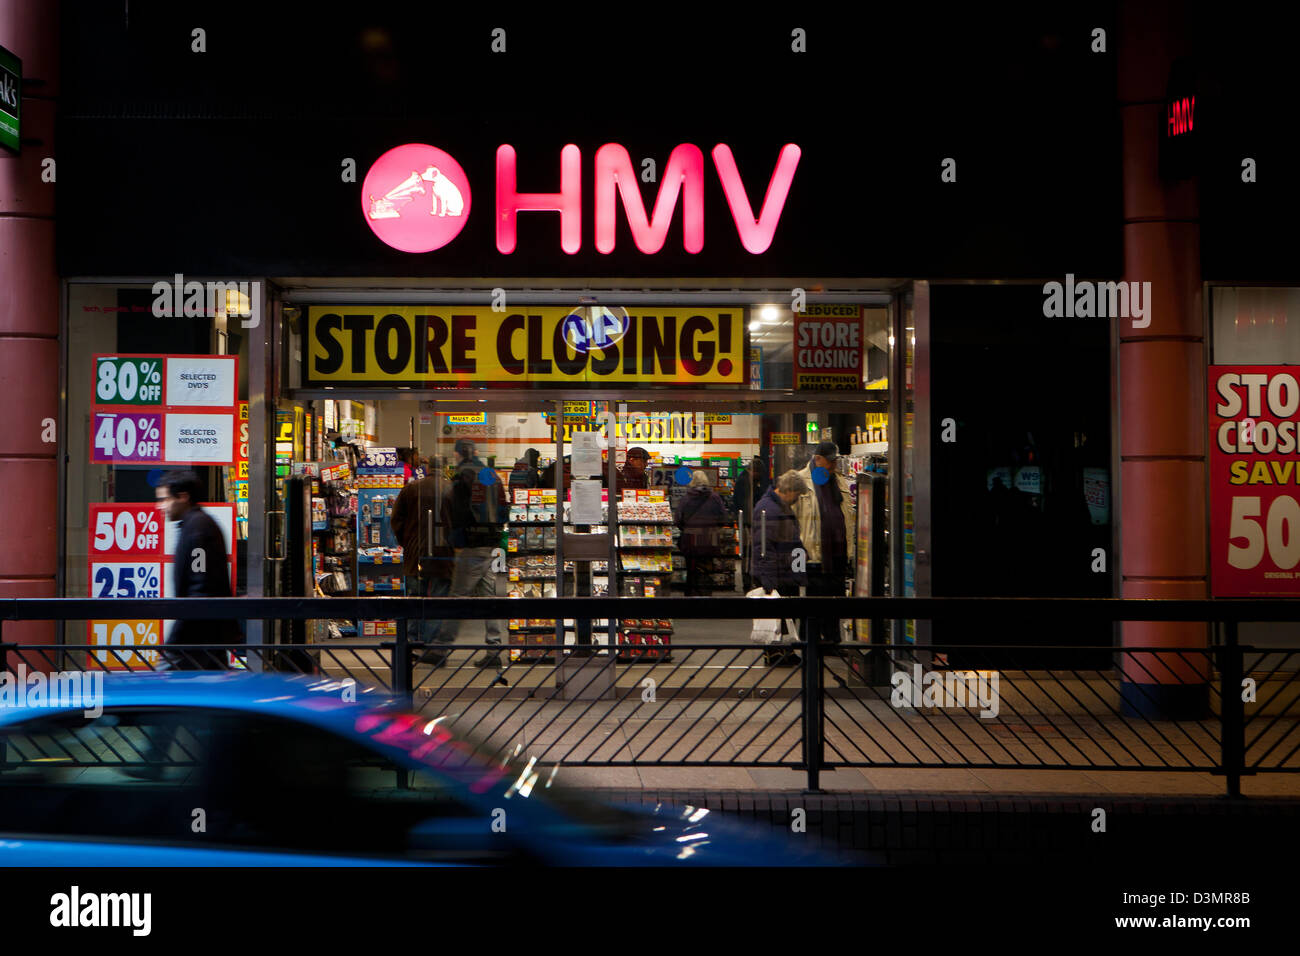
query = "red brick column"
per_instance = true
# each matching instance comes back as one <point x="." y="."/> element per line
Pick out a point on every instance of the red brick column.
<point x="29" y="326"/>
<point x="1161" y="388"/>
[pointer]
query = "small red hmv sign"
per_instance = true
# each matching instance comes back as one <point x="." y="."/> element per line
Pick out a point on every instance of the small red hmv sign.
<point x="416" y="198"/>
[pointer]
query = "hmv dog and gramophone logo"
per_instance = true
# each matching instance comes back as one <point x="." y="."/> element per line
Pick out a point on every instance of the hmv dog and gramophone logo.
<point x="416" y="198"/>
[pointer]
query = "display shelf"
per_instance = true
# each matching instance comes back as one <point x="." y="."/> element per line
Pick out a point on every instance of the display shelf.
<point x="648" y="508"/>
<point x="377" y="573"/>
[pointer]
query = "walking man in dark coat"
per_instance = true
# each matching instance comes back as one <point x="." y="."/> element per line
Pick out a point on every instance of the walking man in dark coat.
<point x="199" y="570"/>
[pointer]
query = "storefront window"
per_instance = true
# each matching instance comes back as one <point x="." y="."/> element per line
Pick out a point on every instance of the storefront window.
<point x="690" y="472"/>
<point x="147" y="394"/>
<point x="1252" y="326"/>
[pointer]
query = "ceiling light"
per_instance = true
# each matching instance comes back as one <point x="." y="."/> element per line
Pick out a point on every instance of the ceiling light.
<point x="755" y="326"/>
<point x="769" y="313"/>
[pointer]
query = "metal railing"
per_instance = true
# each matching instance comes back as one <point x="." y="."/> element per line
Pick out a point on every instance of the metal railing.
<point x="1223" y="709"/>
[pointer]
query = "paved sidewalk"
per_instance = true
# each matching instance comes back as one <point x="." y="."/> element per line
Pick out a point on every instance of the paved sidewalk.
<point x="893" y="781"/>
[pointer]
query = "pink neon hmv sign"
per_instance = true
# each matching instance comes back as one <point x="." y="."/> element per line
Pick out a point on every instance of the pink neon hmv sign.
<point x="416" y="198"/>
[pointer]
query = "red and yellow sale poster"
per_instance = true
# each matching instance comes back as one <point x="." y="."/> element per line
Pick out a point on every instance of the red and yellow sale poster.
<point x="829" y="346"/>
<point x="1254" y="480"/>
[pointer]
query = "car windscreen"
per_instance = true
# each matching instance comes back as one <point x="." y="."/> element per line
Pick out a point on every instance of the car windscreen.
<point x="429" y="743"/>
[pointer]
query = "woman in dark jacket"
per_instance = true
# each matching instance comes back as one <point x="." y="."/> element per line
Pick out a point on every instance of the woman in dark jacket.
<point x="776" y="535"/>
<point x="775" y="538"/>
<point x="700" y="514"/>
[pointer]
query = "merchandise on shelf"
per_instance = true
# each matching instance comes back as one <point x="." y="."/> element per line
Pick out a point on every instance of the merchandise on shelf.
<point x="645" y="540"/>
<point x="379" y="553"/>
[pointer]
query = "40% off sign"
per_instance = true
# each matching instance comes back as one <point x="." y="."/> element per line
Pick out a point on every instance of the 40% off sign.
<point x="127" y="438"/>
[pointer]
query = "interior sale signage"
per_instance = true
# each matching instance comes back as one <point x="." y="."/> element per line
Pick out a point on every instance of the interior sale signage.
<point x="425" y="346"/>
<point x="828" y="347"/>
<point x="1254" y="480"/>
<point x="164" y="410"/>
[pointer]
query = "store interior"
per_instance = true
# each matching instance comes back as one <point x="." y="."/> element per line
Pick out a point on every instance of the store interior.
<point x="354" y="457"/>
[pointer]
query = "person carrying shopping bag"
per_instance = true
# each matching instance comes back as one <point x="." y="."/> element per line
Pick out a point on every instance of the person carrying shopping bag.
<point x="775" y="538"/>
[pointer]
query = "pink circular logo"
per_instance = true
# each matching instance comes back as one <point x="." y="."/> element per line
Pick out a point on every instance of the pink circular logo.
<point x="415" y="198"/>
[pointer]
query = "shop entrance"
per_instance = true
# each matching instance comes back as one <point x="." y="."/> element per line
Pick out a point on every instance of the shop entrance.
<point x="646" y="488"/>
<point x="665" y="489"/>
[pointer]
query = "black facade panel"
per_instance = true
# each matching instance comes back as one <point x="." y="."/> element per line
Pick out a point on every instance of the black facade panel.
<point x="228" y="161"/>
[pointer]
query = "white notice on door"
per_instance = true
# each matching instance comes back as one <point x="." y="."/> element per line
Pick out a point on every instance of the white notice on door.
<point x="586" y="502"/>
<point x="586" y="454"/>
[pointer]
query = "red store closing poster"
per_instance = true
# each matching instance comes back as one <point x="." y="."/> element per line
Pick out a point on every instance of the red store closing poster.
<point x="1254" y="480"/>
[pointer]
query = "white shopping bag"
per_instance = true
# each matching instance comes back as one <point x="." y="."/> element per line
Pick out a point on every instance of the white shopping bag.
<point x="766" y="630"/>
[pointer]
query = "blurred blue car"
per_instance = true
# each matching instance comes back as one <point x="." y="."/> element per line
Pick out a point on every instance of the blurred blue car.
<point x="229" y="769"/>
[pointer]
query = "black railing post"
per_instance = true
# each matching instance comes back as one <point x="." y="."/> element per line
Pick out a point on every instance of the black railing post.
<point x="1232" y="720"/>
<point x="812" y="708"/>
<point x="402" y="666"/>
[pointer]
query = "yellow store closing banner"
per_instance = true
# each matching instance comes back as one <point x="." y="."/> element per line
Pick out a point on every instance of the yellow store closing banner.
<point x="423" y="346"/>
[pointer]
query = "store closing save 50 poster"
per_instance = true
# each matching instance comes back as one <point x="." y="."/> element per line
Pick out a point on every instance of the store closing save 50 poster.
<point x="1254" y="480"/>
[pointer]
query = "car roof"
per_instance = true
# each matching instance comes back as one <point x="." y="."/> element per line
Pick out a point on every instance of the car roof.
<point x="317" y="700"/>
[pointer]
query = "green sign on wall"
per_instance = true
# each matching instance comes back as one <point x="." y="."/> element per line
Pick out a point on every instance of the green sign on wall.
<point x="11" y="94"/>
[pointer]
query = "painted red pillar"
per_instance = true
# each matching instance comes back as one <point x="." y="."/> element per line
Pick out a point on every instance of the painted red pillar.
<point x="29" y="327"/>
<point x="1161" y="393"/>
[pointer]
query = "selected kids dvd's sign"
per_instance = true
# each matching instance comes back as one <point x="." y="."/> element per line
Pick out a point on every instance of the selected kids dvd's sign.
<point x="828" y="348"/>
<point x="1254" y="480"/>
<point x="164" y="410"/>
<point x="424" y="346"/>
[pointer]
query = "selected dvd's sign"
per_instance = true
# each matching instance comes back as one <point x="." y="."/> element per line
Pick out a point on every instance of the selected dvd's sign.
<point x="164" y="410"/>
<point x="473" y="345"/>
<point x="1254" y="480"/>
<point x="828" y="347"/>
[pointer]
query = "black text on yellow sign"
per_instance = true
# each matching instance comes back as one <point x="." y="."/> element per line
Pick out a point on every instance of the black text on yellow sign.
<point x="673" y="428"/>
<point x="428" y="345"/>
